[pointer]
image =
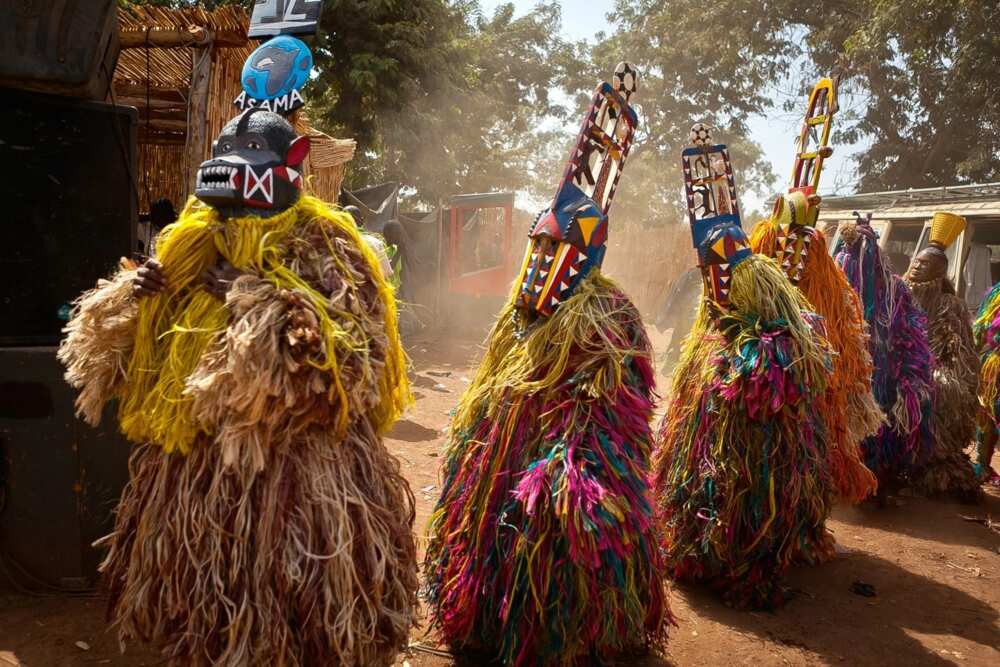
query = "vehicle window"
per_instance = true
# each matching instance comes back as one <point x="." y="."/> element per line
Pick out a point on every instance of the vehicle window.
<point x="987" y="233"/>
<point x="982" y="264"/>
<point x="901" y="245"/>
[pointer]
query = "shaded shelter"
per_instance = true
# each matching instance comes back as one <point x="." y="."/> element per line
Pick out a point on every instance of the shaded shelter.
<point x="181" y="69"/>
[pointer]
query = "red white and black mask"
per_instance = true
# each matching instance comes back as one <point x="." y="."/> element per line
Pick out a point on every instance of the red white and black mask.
<point x="255" y="167"/>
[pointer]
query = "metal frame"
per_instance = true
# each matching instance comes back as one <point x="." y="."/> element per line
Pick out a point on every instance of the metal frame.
<point x="494" y="280"/>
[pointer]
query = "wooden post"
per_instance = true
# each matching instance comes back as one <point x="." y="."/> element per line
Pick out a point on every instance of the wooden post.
<point x="440" y="258"/>
<point x="165" y="38"/>
<point x="201" y="77"/>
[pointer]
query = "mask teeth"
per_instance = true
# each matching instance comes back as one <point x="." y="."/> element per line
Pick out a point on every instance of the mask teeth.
<point x="223" y="177"/>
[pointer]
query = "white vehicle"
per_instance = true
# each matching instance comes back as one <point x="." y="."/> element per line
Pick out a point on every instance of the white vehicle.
<point x="902" y="220"/>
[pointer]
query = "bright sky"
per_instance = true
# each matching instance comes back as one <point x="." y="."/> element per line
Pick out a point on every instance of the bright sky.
<point x="582" y="19"/>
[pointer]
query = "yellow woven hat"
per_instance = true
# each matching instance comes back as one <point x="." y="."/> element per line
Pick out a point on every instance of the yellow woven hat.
<point x="945" y="228"/>
<point x="793" y="209"/>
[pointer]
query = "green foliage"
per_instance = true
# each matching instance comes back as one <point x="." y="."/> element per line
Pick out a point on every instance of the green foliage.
<point x="445" y="99"/>
<point x="926" y="71"/>
<point x="439" y="97"/>
<point x="919" y="76"/>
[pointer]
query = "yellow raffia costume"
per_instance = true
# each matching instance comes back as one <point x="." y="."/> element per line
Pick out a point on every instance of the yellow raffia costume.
<point x="265" y="522"/>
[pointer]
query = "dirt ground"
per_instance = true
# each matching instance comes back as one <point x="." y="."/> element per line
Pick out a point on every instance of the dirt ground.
<point x="936" y="577"/>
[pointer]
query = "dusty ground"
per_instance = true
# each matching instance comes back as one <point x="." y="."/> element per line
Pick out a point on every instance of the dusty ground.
<point x="937" y="578"/>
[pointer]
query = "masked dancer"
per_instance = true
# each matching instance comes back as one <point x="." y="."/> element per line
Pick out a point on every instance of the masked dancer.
<point x="987" y="334"/>
<point x="948" y="470"/>
<point x="542" y="548"/>
<point x="256" y="364"/>
<point x="903" y="363"/>
<point x="742" y="477"/>
<point x="791" y="238"/>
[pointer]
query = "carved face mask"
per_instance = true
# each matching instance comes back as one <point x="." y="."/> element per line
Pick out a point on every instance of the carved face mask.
<point x="720" y="252"/>
<point x="565" y="243"/>
<point x="794" y="216"/>
<point x="569" y="238"/>
<point x="254" y="167"/>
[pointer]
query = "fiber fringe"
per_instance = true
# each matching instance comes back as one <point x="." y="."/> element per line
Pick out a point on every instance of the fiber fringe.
<point x="98" y="343"/>
<point x="903" y="363"/>
<point x="849" y="408"/>
<point x="949" y="470"/>
<point x="542" y="544"/>
<point x="306" y="560"/>
<point x="175" y="328"/>
<point x="986" y="330"/>
<point x="265" y="522"/>
<point x="741" y="469"/>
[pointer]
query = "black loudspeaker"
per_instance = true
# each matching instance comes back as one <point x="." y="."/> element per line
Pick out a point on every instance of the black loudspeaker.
<point x="69" y="206"/>
<point x="59" y="478"/>
<point x="64" y="47"/>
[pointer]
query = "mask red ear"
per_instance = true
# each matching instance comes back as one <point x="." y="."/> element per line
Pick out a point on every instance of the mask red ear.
<point x="297" y="151"/>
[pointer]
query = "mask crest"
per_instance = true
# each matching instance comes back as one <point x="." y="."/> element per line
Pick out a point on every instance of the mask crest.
<point x="794" y="214"/>
<point x="713" y="212"/>
<point x="569" y="238"/>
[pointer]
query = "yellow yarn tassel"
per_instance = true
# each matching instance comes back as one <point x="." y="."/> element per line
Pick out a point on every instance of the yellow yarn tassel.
<point x="176" y="326"/>
<point x="514" y="365"/>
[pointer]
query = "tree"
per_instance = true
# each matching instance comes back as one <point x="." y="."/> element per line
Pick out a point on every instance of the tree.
<point x="439" y="96"/>
<point x="681" y="81"/>
<point x="922" y="73"/>
<point x="926" y="71"/>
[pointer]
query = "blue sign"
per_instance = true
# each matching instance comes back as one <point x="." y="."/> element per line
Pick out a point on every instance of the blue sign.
<point x="273" y="75"/>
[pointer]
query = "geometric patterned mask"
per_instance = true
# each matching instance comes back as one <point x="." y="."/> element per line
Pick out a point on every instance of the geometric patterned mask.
<point x="569" y="238"/>
<point x="713" y="212"/>
<point x="795" y="214"/>
<point x="794" y="217"/>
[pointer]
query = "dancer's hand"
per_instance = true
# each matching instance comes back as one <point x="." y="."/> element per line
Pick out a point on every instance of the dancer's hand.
<point x="219" y="277"/>
<point x="149" y="279"/>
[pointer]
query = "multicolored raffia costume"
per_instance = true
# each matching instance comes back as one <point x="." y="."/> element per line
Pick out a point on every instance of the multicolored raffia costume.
<point x="903" y="375"/>
<point x="265" y="523"/>
<point x="542" y="547"/>
<point x="742" y="478"/>
<point x="791" y="238"/>
<point x="948" y="470"/>
<point x="986" y="330"/>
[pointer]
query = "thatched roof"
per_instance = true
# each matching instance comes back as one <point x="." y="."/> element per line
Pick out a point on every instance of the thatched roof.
<point x="159" y="48"/>
<point x="161" y="51"/>
<point x="227" y="24"/>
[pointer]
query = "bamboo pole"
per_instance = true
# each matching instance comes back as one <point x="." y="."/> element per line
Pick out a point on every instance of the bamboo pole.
<point x="169" y="38"/>
<point x="201" y="77"/>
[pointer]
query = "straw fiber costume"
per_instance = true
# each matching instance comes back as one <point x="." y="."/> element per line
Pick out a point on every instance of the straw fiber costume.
<point x="902" y="379"/>
<point x="956" y="372"/>
<point x="987" y="332"/>
<point x="790" y="237"/>
<point x="742" y="478"/>
<point x="542" y="548"/>
<point x="256" y="364"/>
